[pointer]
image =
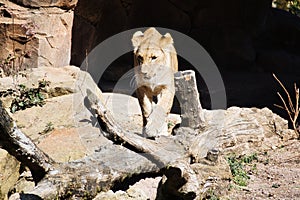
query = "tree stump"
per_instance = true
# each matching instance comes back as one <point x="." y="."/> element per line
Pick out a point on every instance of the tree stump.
<point x="188" y="97"/>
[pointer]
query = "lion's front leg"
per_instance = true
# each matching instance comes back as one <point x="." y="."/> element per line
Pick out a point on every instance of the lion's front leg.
<point x="157" y="120"/>
<point x="145" y="101"/>
<point x="165" y="99"/>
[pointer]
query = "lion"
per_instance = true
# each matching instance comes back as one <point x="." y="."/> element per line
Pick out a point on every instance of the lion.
<point x="155" y="62"/>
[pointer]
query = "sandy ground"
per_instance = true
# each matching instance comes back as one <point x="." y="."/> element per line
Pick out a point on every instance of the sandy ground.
<point x="276" y="175"/>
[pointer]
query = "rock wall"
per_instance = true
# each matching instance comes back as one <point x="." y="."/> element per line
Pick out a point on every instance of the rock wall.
<point x="37" y="33"/>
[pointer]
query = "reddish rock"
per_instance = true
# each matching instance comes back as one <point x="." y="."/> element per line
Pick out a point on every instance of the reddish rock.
<point x="67" y="4"/>
<point x="63" y="145"/>
<point x="36" y="37"/>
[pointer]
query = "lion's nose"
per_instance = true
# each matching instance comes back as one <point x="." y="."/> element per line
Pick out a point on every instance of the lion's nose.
<point x="144" y="70"/>
<point x="147" y="72"/>
<point x="146" y="76"/>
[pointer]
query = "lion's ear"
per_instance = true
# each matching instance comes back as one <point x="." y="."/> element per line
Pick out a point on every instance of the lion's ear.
<point x="167" y="39"/>
<point x="137" y="38"/>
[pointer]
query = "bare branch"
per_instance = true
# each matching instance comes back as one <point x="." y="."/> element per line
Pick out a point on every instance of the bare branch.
<point x="292" y="111"/>
<point x="278" y="106"/>
<point x="285" y="106"/>
<point x="286" y="92"/>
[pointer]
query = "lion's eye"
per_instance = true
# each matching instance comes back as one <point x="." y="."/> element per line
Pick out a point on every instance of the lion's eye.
<point x="153" y="57"/>
<point x="140" y="59"/>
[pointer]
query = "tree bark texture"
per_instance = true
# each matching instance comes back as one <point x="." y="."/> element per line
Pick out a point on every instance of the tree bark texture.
<point x="188" y="97"/>
<point x="20" y="146"/>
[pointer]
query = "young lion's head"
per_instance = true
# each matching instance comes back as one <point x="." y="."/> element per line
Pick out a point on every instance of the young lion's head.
<point x="155" y="58"/>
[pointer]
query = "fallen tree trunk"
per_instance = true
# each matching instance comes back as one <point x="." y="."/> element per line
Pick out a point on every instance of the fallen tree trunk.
<point x="21" y="147"/>
<point x="158" y="155"/>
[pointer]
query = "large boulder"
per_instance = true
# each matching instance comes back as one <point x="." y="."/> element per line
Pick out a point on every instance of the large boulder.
<point x="65" y="128"/>
<point x="238" y="35"/>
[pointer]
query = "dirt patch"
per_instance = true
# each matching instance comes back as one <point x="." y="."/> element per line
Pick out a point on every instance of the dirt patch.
<point x="275" y="175"/>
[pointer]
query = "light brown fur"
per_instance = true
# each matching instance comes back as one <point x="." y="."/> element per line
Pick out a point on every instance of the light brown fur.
<point x="155" y="62"/>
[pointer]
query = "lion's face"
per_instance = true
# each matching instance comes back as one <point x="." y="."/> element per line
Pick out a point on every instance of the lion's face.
<point x="153" y="66"/>
<point x="153" y="57"/>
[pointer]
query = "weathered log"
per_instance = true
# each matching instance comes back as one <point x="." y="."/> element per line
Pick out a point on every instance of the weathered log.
<point x="157" y="154"/>
<point x="20" y="146"/>
<point x="188" y="97"/>
<point x="80" y="179"/>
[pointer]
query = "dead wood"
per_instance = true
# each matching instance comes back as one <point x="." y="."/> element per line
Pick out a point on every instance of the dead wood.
<point x="20" y="146"/>
<point x="159" y="156"/>
<point x="188" y="97"/>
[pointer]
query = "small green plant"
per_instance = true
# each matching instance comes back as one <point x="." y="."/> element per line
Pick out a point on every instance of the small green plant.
<point x="236" y="164"/>
<point x="49" y="127"/>
<point x="275" y="185"/>
<point x="26" y="97"/>
<point x="250" y="158"/>
<point x="170" y="124"/>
